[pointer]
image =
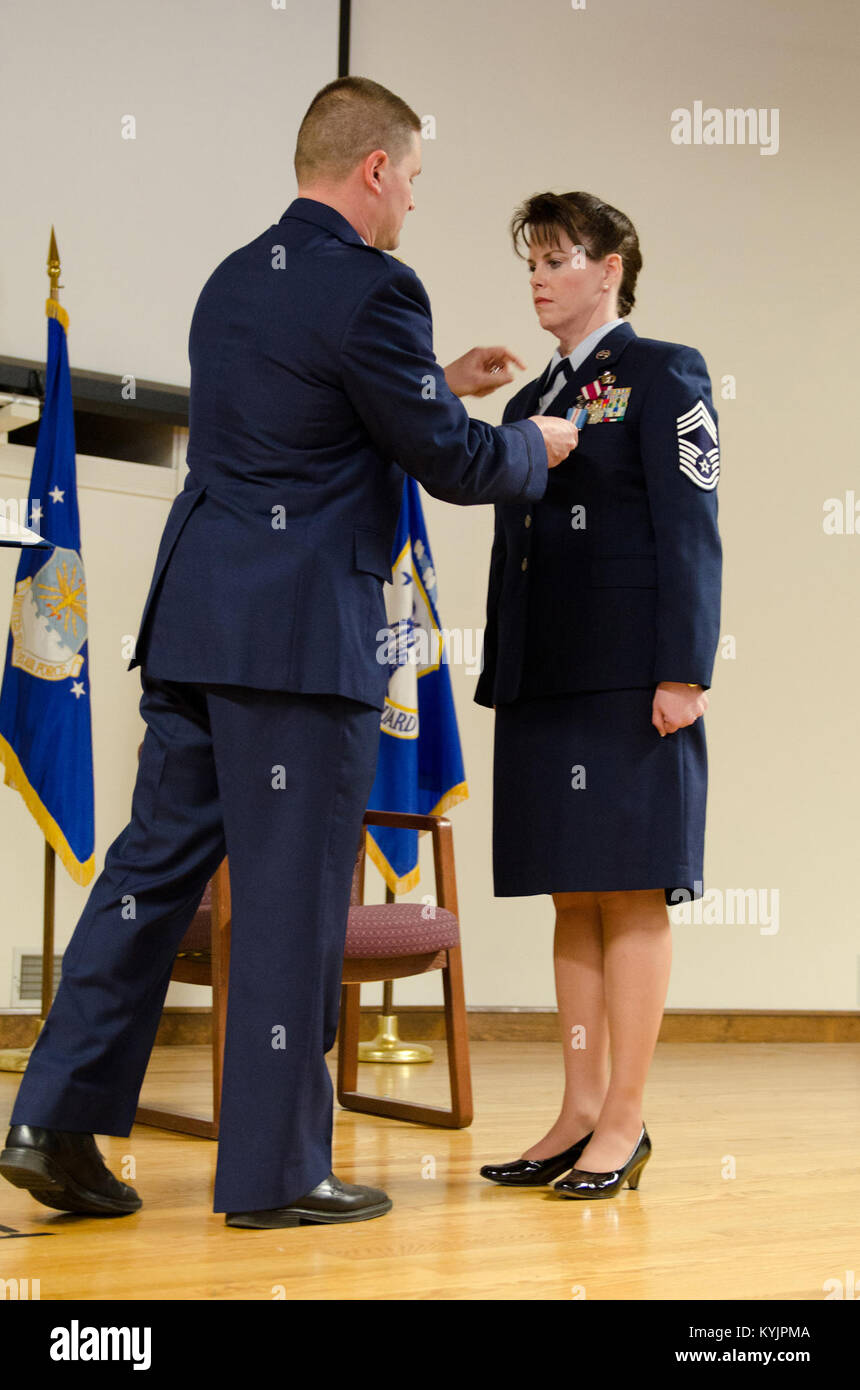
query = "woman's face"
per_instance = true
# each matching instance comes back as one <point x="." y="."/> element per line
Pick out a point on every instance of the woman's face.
<point x="566" y="287"/>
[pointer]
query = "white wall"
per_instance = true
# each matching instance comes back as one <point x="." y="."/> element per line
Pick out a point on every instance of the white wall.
<point x="748" y="257"/>
<point x="216" y="88"/>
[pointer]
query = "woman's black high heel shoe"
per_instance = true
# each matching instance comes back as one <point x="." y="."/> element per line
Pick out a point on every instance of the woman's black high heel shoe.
<point x="580" y="1183"/>
<point x="534" y="1172"/>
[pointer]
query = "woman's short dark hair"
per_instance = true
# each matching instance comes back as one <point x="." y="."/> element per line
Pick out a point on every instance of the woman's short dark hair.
<point x="597" y="227"/>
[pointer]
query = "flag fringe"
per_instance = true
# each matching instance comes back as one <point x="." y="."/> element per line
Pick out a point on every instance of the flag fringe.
<point x="55" y="310"/>
<point x="451" y="798"/>
<point x="409" y="881"/>
<point x="16" y="778"/>
<point x="397" y="885"/>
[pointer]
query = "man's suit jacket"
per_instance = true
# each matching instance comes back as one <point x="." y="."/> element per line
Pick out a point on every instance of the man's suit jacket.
<point x="612" y="579"/>
<point x="313" y="387"/>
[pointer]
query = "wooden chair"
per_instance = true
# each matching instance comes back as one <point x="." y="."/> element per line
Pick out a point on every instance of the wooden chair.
<point x="384" y="942"/>
<point x="392" y="940"/>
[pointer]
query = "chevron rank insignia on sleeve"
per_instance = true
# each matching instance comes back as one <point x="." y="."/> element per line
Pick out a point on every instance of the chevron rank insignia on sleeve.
<point x="698" y="450"/>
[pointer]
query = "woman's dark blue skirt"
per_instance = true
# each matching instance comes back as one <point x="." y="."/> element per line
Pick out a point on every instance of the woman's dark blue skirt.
<point x="587" y="797"/>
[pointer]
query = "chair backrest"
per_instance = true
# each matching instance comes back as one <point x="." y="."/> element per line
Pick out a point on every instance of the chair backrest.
<point x="356" y="892"/>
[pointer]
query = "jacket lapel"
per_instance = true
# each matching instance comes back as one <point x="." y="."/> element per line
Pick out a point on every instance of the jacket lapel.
<point x="524" y="403"/>
<point x="530" y="402"/>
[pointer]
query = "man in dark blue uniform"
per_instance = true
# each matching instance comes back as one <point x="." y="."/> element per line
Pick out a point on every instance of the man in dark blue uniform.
<point x="313" y="386"/>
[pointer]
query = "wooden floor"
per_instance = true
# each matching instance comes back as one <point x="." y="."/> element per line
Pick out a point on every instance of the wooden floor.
<point x="786" y="1114"/>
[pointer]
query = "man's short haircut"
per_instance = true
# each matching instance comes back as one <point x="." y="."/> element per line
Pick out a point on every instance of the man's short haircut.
<point x="345" y="122"/>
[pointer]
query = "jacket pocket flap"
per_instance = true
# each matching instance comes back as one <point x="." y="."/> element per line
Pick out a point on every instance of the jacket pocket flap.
<point x="372" y="552"/>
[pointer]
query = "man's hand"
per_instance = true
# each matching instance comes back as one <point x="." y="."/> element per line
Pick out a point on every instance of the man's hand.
<point x="481" y="370"/>
<point x="676" y="705"/>
<point x="559" y="436"/>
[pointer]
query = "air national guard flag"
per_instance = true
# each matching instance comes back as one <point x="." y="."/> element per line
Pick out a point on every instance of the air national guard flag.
<point x="45" y="729"/>
<point x="420" y="766"/>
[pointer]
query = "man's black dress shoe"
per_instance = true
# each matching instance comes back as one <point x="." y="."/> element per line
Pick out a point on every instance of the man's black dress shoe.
<point x="65" y="1171"/>
<point x="534" y="1172"/>
<point x="582" y="1184"/>
<point x="327" y="1204"/>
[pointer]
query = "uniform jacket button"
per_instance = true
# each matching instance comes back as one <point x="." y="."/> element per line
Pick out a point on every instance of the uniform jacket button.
<point x="525" y="563"/>
<point x="528" y="520"/>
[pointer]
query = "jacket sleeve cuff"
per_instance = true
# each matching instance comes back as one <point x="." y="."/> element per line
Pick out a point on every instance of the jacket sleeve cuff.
<point x="538" y="474"/>
<point x="703" y="679"/>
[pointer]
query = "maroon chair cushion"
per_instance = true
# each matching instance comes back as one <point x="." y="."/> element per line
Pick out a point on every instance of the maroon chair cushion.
<point x="374" y="930"/>
<point x="199" y="934"/>
<point x="399" y="929"/>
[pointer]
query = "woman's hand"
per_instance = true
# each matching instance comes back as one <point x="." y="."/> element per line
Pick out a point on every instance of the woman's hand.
<point x="481" y="370"/>
<point x="676" y="705"/>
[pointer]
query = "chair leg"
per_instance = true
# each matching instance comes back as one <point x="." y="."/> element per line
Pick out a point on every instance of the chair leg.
<point x="347" y="1047"/>
<point x="177" y="1120"/>
<point x="219" y="1028"/>
<point x="457" y="1037"/>
<point x="221" y="924"/>
<point x="222" y="915"/>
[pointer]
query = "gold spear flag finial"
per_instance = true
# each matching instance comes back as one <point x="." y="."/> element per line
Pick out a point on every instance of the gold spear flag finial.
<point x="54" y="265"/>
<point x="53" y="307"/>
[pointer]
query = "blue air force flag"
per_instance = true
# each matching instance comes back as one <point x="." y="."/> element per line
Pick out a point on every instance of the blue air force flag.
<point x="45" y="729"/>
<point x="420" y="765"/>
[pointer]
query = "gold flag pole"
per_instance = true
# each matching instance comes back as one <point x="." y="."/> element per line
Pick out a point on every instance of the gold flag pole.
<point x="388" y="1046"/>
<point x="16" y="1058"/>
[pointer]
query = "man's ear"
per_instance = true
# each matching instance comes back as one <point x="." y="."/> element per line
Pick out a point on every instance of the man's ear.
<point x="374" y="167"/>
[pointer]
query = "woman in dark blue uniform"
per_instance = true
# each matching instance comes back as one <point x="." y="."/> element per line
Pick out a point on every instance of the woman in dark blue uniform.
<point x="602" y="626"/>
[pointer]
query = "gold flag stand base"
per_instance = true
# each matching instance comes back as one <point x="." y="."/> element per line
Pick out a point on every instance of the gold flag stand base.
<point x="16" y="1058"/>
<point x="388" y="1047"/>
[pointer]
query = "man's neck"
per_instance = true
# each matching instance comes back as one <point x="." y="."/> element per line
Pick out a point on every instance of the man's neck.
<point x="335" y="196"/>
